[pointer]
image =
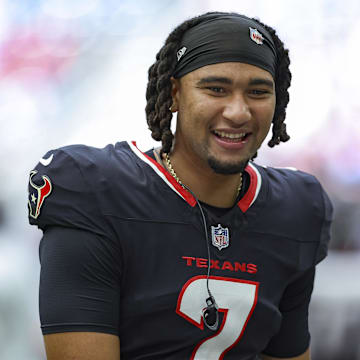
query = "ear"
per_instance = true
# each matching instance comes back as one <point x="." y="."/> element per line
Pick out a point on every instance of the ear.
<point x="175" y="94"/>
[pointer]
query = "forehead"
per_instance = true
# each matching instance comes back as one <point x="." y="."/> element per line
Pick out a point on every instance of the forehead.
<point x="235" y="71"/>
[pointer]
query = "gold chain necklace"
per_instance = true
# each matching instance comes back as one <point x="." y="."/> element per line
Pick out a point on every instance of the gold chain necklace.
<point x="174" y="175"/>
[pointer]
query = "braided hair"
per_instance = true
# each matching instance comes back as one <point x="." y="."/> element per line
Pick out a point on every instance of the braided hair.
<point x="158" y="92"/>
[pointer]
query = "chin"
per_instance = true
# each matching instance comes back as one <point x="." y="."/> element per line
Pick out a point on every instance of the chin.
<point x="227" y="168"/>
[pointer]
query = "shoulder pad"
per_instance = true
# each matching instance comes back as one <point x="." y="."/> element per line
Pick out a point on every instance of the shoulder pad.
<point x="61" y="192"/>
<point x="301" y="211"/>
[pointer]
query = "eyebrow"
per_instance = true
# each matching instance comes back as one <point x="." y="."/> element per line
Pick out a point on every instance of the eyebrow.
<point x="261" y="81"/>
<point x="225" y="80"/>
<point x="215" y="79"/>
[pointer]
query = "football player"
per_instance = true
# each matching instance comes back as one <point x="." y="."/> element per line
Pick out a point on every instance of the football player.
<point x="192" y="250"/>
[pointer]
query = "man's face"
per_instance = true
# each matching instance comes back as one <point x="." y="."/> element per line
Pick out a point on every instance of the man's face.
<point x="224" y="114"/>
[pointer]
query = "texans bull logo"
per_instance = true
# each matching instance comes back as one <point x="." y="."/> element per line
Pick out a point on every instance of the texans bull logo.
<point x="37" y="194"/>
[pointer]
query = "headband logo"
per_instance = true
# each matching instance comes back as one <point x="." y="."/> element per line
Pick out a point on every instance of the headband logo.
<point x="256" y="36"/>
<point x="181" y="53"/>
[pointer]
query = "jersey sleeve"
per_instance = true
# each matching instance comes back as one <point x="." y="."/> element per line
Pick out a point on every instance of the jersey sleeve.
<point x="79" y="282"/>
<point x="293" y="338"/>
<point x="316" y="213"/>
<point x="325" y="233"/>
<point x="79" y="254"/>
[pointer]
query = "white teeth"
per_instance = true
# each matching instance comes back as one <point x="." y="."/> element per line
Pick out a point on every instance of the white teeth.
<point x="229" y="136"/>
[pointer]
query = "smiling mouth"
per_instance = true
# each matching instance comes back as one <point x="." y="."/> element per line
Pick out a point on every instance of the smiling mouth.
<point x="231" y="137"/>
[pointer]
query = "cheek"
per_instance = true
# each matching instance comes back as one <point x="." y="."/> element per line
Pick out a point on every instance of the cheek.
<point x="194" y="112"/>
<point x="265" y="114"/>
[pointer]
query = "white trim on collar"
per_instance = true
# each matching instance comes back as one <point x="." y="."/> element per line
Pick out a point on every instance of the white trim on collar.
<point x="164" y="174"/>
<point x="245" y="202"/>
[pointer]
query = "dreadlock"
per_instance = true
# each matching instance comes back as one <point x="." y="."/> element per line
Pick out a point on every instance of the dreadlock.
<point x="282" y="83"/>
<point x="158" y="92"/>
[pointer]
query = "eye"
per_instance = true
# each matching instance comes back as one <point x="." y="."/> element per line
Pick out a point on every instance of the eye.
<point x="259" y="92"/>
<point x="216" y="89"/>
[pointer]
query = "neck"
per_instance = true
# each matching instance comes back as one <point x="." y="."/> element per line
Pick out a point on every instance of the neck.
<point x="211" y="188"/>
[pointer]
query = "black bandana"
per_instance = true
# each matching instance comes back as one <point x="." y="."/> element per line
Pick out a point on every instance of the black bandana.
<point x="226" y="38"/>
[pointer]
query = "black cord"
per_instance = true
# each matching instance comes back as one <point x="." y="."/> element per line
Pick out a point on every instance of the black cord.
<point x="206" y="238"/>
<point x="210" y="313"/>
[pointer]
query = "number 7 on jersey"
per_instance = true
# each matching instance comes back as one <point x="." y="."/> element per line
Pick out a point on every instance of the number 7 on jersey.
<point x="236" y="299"/>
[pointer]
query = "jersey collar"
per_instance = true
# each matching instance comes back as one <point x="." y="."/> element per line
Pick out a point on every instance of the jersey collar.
<point x="245" y="202"/>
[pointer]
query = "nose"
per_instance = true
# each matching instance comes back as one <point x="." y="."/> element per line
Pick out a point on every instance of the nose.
<point x="237" y="110"/>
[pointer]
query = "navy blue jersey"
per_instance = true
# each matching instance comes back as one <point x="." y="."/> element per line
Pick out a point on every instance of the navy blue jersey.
<point x="124" y="252"/>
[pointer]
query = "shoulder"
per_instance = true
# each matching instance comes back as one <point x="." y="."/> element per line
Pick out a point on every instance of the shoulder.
<point x="298" y="208"/>
<point x="299" y="187"/>
<point x="85" y="159"/>
<point x="63" y="186"/>
<point x="88" y="159"/>
<point x="287" y="176"/>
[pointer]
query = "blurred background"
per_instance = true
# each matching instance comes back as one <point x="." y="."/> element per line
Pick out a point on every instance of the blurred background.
<point x="76" y="72"/>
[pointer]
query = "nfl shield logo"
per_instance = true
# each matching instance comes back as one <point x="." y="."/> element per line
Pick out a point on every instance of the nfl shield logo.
<point x="256" y="36"/>
<point x="220" y="236"/>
